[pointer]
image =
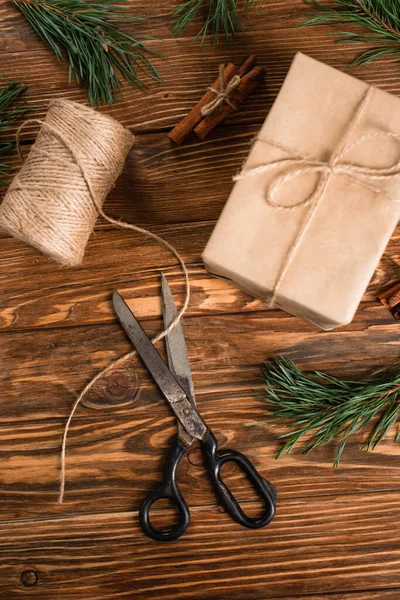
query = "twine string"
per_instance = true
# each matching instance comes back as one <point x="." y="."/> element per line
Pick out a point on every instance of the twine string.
<point x="223" y="94"/>
<point x="298" y="165"/>
<point x="125" y="357"/>
<point x="96" y="202"/>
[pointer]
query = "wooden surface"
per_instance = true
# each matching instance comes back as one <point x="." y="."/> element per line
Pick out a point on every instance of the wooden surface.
<point x="336" y="534"/>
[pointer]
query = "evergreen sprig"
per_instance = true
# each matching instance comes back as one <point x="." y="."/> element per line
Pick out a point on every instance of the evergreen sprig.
<point x="11" y="107"/>
<point x="380" y="17"/>
<point x="222" y="16"/>
<point x="324" y="408"/>
<point x="86" y="33"/>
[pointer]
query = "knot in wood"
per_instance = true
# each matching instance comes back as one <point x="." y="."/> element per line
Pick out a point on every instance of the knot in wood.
<point x="29" y="578"/>
<point x="120" y="388"/>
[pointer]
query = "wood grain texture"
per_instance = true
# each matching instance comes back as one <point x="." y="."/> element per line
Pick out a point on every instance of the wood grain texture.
<point x="15" y="35"/>
<point x="188" y="69"/>
<point x="115" y="458"/>
<point x="47" y="295"/>
<point x="43" y="370"/>
<point x="336" y="534"/>
<point x="203" y="174"/>
<point x="186" y="76"/>
<point x="370" y="595"/>
<point x="347" y="543"/>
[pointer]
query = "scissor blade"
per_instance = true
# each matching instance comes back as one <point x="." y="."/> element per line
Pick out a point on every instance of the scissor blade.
<point x="178" y="359"/>
<point x="176" y="396"/>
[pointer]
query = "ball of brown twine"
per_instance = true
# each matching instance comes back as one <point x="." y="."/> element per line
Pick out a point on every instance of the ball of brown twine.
<point x="54" y="201"/>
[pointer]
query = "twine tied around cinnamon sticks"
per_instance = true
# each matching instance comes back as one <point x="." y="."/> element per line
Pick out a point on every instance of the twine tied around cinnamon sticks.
<point x="300" y="165"/>
<point x="223" y="94"/>
<point x="226" y="94"/>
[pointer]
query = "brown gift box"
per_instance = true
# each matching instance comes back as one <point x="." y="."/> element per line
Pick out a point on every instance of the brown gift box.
<point x="317" y="201"/>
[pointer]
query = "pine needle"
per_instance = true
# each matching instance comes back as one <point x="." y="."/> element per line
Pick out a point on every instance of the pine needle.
<point x="222" y="16"/>
<point x="323" y="408"/>
<point x="380" y="19"/>
<point x="86" y="33"/>
<point x="11" y="107"/>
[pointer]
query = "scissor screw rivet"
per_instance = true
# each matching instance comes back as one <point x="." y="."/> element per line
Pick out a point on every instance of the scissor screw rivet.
<point x="186" y="412"/>
<point x="195" y="457"/>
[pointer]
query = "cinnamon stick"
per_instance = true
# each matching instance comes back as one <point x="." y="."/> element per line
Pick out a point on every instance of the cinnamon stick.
<point x="248" y="65"/>
<point x="247" y="85"/>
<point x="391" y="298"/>
<point x="187" y="125"/>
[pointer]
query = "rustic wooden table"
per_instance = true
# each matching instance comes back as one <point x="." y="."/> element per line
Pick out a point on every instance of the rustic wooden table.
<point x="336" y="533"/>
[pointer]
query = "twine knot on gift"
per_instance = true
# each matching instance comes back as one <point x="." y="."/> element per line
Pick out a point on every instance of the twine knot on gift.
<point x="222" y="95"/>
<point x="298" y="165"/>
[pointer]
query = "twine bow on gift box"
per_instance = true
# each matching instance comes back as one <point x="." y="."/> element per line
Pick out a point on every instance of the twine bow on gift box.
<point x="336" y="165"/>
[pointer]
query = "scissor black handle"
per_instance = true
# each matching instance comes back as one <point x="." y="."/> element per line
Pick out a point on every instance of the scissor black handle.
<point x="215" y="460"/>
<point x="169" y="490"/>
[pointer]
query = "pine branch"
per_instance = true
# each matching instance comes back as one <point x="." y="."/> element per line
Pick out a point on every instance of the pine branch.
<point x="86" y="33"/>
<point x="381" y="19"/>
<point x="222" y="16"/>
<point x="11" y="107"/>
<point x="323" y="408"/>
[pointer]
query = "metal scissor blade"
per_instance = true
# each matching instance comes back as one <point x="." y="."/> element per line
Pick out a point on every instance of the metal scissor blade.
<point x="173" y="392"/>
<point x="178" y="360"/>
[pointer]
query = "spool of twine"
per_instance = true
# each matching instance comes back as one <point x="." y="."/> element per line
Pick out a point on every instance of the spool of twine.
<point x="55" y="199"/>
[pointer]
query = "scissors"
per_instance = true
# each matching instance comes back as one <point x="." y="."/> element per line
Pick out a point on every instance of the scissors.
<point x="175" y="382"/>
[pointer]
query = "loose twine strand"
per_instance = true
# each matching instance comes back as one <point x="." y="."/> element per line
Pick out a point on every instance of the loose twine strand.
<point x="124" y="358"/>
<point x="88" y="174"/>
<point x="223" y="94"/>
<point x="301" y="165"/>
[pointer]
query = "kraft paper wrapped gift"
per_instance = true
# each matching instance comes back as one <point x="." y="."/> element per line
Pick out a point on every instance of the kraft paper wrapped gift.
<point x="318" y="198"/>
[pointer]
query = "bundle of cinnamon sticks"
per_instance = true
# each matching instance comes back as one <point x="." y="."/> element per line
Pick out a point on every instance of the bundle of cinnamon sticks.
<point x="391" y="298"/>
<point x="248" y="76"/>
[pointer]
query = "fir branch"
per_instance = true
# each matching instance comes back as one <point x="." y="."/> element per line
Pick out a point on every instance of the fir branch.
<point x="323" y="408"/>
<point x="381" y="19"/>
<point x="11" y="107"/>
<point x="86" y="33"/>
<point x="222" y="16"/>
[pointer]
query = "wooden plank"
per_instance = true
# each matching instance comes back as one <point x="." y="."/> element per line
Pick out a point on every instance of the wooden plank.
<point x="43" y="370"/>
<point x="188" y="70"/>
<point x="17" y="36"/>
<point x="312" y="547"/>
<point x="163" y="184"/>
<point x="114" y="441"/>
<point x="36" y="292"/>
<point x="369" y="595"/>
<point x="116" y="455"/>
